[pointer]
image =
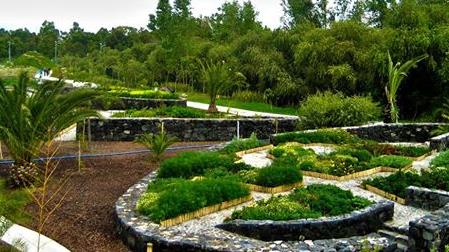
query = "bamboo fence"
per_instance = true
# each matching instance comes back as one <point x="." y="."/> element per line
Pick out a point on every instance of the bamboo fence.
<point x="384" y="194"/>
<point x="350" y="176"/>
<point x="240" y="154"/>
<point x="205" y="211"/>
<point x="274" y="190"/>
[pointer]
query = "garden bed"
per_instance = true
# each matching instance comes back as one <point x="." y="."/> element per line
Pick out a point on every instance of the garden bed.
<point x="170" y="112"/>
<point x="301" y="212"/>
<point x="395" y="185"/>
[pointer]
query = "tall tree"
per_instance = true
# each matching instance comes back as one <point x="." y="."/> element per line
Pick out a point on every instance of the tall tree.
<point x="46" y="39"/>
<point x="163" y="18"/>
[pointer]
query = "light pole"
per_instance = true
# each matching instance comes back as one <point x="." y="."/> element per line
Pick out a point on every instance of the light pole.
<point x="9" y="50"/>
<point x="56" y="51"/>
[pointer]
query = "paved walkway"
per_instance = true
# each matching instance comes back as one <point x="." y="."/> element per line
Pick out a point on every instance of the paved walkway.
<point x="235" y="111"/>
<point x="25" y="239"/>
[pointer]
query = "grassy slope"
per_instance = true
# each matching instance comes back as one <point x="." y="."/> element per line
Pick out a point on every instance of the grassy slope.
<point x="253" y="106"/>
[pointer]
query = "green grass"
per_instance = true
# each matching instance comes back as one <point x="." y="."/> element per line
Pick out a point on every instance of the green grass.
<point x="12" y="203"/>
<point x="253" y="106"/>
<point x="172" y="112"/>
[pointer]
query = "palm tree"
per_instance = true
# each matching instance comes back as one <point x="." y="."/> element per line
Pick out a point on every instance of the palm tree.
<point x="32" y="115"/>
<point x="157" y="144"/>
<point x="217" y="79"/>
<point x="396" y="74"/>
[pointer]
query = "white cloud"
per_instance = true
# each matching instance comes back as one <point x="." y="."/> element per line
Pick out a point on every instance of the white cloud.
<point x="94" y="14"/>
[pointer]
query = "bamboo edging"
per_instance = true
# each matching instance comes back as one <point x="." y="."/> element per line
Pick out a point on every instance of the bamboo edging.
<point x="350" y="176"/>
<point x="384" y="194"/>
<point x="205" y="211"/>
<point x="240" y="154"/>
<point x="274" y="190"/>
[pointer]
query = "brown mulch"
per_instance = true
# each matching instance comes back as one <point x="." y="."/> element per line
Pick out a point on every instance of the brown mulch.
<point x="85" y="221"/>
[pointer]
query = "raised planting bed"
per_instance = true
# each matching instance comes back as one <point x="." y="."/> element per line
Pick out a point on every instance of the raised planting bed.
<point x="394" y="187"/>
<point x="184" y="129"/>
<point x="138" y="99"/>
<point x="315" y="212"/>
<point x="173" y="201"/>
<point x="170" y="112"/>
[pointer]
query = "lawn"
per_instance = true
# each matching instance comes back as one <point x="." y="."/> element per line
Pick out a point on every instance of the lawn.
<point x="253" y="106"/>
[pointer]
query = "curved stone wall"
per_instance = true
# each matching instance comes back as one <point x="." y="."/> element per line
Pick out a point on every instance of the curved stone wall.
<point x="360" y="222"/>
<point x="136" y="231"/>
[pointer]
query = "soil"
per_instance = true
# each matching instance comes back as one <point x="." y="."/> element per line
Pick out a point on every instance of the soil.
<point x="84" y="222"/>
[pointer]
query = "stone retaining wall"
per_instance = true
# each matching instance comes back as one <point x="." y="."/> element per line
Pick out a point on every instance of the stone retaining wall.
<point x="360" y="222"/>
<point x="127" y="129"/>
<point x="426" y="198"/>
<point x="440" y="142"/>
<point x="125" y="103"/>
<point x="430" y="232"/>
<point x="400" y="132"/>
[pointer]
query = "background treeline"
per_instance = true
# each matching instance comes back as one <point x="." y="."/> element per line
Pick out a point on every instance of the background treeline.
<point x="341" y="46"/>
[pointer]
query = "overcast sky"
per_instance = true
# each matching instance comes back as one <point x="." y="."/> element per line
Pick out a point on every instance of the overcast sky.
<point x="94" y="14"/>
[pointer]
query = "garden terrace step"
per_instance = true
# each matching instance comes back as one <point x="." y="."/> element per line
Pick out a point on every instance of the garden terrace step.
<point x="389" y="226"/>
<point x="399" y="238"/>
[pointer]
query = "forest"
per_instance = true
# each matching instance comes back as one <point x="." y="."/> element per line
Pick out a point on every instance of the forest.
<point x="341" y="47"/>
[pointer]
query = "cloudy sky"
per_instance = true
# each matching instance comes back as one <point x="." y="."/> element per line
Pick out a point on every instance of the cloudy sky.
<point x="94" y="14"/>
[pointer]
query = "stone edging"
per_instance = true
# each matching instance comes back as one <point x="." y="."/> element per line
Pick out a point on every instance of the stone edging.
<point x="359" y="222"/>
<point x="440" y="142"/>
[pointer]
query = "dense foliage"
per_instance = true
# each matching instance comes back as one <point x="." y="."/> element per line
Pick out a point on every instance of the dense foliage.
<point x="147" y="94"/>
<point x="318" y="136"/>
<point x="341" y="46"/>
<point x="312" y="202"/>
<point x="191" y="164"/>
<point x="325" y="110"/>
<point x="170" y="198"/>
<point x="237" y="145"/>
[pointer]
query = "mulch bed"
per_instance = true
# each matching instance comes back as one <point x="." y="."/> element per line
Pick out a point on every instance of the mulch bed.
<point x="85" y="220"/>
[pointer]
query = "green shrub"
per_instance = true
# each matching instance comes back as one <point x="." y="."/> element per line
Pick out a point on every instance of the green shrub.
<point x="34" y="59"/>
<point x="291" y="150"/>
<point x="146" y="94"/>
<point x="395" y="183"/>
<point x="311" y="202"/>
<point x="330" y="200"/>
<point x="191" y="164"/>
<point x="237" y="145"/>
<point x="335" y="110"/>
<point x="175" y="112"/>
<point x="361" y="154"/>
<point x="412" y="151"/>
<point x="181" y="197"/>
<point x="277" y="209"/>
<point x="391" y="161"/>
<point x="329" y="136"/>
<point x="442" y="160"/>
<point x="436" y="178"/>
<point x="278" y="174"/>
<point x="248" y="96"/>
